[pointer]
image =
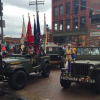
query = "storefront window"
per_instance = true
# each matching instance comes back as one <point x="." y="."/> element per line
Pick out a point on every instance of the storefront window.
<point x="82" y="19"/>
<point x="61" y="25"/>
<point x="95" y="42"/>
<point x="68" y="24"/>
<point x="82" y="40"/>
<point x="55" y="26"/>
<point x="75" y="23"/>
<point x="95" y="19"/>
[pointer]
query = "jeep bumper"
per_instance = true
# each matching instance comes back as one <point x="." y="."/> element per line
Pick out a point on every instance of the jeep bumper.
<point x="74" y="79"/>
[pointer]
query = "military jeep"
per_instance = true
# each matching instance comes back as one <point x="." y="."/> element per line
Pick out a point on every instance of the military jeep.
<point x="16" y="67"/>
<point x="85" y="69"/>
<point x="56" y="54"/>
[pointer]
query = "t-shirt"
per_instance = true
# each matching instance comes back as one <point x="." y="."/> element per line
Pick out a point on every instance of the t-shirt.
<point x="3" y="48"/>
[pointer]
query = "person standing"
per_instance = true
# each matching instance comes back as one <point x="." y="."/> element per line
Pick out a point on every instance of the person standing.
<point x="65" y="47"/>
<point x="7" y="48"/>
<point x="3" y="49"/>
<point x="69" y="53"/>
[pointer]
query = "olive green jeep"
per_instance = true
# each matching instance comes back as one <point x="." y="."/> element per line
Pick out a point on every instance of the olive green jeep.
<point x="85" y="69"/>
<point x="16" y="67"/>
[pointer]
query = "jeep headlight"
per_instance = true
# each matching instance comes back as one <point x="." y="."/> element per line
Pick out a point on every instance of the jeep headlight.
<point x="91" y="67"/>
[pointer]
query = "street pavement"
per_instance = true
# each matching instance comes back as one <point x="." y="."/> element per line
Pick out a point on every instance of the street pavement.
<point x="39" y="88"/>
<point x="50" y="88"/>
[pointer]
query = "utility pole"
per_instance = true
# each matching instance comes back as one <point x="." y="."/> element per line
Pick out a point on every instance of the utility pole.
<point x="1" y="20"/>
<point x="36" y="3"/>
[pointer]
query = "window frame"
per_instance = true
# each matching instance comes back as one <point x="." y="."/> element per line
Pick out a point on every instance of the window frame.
<point x="95" y="18"/>
<point x="61" y="10"/>
<point x="68" y="4"/>
<point x="67" y="24"/>
<point x="83" y="8"/>
<point x="55" y="11"/>
<point x="80" y="22"/>
<point x="55" y="26"/>
<point x="61" y="24"/>
<point x="74" y="24"/>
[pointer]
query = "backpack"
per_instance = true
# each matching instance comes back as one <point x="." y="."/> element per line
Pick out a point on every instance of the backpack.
<point x="73" y="55"/>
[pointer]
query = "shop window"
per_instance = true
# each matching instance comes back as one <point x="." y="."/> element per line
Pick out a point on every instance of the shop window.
<point x="95" y="19"/>
<point x="61" y="25"/>
<point x="61" y="9"/>
<point x="74" y="40"/>
<point x="55" y="26"/>
<point x="68" y="8"/>
<point x="55" y="11"/>
<point x="81" y="40"/>
<point x="82" y="25"/>
<point x="68" y="24"/>
<point x="75" y="23"/>
<point x="83" y="3"/>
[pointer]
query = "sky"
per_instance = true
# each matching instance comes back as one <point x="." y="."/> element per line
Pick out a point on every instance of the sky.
<point x="13" y="11"/>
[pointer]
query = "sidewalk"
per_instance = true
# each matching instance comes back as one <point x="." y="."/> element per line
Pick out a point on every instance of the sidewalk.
<point x="29" y="95"/>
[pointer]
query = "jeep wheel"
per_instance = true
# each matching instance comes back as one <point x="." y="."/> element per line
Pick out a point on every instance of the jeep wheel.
<point x="46" y="70"/>
<point x="97" y="84"/>
<point x="65" y="83"/>
<point x="18" y="80"/>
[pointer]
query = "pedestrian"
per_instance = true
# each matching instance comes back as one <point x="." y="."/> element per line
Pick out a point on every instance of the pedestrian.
<point x="65" y="47"/>
<point x="7" y="48"/>
<point x="3" y="49"/>
<point x="69" y="53"/>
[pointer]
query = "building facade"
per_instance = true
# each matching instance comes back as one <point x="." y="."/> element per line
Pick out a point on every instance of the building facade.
<point x="67" y="27"/>
<point x="12" y="40"/>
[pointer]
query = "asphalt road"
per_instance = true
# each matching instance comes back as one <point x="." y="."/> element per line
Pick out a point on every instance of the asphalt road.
<point x="39" y="88"/>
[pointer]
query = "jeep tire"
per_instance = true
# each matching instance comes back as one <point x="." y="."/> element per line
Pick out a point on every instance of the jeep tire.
<point x="65" y="83"/>
<point x="97" y="84"/>
<point x="46" y="70"/>
<point x="18" y="80"/>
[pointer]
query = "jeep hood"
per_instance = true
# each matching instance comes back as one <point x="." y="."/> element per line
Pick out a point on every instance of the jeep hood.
<point x="87" y="62"/>
<point x="8" y="60"/>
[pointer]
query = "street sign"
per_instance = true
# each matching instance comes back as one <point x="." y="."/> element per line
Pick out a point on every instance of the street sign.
<point x="3" y="23"/>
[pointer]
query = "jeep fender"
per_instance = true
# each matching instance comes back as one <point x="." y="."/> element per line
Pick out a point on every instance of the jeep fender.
<point x="18" y="68"/>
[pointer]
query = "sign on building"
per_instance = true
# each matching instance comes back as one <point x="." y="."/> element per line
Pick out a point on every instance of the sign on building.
<point x="93" y="34"/>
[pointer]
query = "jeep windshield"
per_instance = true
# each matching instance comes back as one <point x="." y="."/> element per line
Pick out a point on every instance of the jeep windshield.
<point x="88" y="51"/>
<point x="52" y="49"/>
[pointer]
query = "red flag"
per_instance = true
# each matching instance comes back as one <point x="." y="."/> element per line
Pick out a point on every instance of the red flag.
<point x="29" y="33"/>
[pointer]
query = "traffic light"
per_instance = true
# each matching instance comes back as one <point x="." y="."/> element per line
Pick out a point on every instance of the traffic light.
<point x="90" y="14"/>
<point x="1" y="9"/>
<point x="76" y="9"/>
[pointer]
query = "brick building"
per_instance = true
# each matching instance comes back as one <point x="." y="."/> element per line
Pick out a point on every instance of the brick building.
<point x="67" y="26"/>
<point x="12" y="40"/>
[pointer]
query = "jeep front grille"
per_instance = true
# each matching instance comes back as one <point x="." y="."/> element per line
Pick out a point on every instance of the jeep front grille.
<point x="80" y="69"/>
